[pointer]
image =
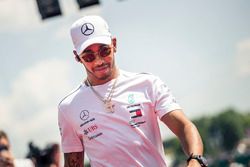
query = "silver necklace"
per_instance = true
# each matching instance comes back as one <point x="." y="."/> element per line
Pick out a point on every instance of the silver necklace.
<point x="108" y="105"/>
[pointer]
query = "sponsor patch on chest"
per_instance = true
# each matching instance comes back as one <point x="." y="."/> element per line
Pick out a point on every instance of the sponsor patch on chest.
<point x="136" y="115"/>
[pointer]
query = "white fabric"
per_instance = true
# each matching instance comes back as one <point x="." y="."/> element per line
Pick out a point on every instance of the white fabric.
<point x="23" y="163"/>
<point x="128" y="137"/>
<point x="89" y="30"/>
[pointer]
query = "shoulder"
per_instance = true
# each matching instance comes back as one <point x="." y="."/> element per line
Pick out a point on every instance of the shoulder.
<point x="67" y="100"/>
<point x="140" y="80"/>
<point x="139" y="75"/>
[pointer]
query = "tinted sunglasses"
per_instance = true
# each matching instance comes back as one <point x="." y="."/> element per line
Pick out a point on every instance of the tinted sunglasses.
<point x="90" y="56"/>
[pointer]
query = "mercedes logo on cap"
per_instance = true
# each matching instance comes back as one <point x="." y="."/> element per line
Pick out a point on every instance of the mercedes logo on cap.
<point x="84" y="115"/>
<point x="87" y="29"/>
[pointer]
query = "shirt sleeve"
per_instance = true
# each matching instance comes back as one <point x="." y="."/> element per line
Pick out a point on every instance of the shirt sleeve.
<point x="164" y="99"/>
<point x="70" y="141"/>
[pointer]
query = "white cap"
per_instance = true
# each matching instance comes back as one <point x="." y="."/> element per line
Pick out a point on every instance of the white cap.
<point x="89" y="30"/>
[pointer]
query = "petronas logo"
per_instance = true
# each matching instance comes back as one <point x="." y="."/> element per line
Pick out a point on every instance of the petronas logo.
<point x="131" y="99"/>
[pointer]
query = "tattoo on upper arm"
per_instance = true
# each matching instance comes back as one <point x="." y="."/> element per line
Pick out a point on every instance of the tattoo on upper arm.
<point x="73" y="159"/>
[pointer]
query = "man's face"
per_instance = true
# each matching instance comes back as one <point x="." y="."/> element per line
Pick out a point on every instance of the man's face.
<point x="6" y="158"/>
<point x="98" y="60"/>
<point x="4" y="144"/>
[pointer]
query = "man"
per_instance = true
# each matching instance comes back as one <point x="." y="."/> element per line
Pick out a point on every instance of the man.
<point x="6" y="158"/>
<point x="112" y="115"/>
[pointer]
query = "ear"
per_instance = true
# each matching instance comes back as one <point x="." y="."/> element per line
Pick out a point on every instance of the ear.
<point x="76" y="56"/>
<point x="114" y="43"/>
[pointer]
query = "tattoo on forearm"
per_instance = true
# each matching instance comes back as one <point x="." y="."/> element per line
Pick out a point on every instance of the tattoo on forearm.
<point x="73" y="160"/>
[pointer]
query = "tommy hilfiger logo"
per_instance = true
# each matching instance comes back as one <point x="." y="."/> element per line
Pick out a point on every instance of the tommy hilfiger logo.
<point x="135" y="111"/>
<point x="136" y="115"/>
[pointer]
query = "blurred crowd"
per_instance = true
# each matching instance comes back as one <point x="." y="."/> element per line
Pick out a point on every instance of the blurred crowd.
<point x="36" y="157"/>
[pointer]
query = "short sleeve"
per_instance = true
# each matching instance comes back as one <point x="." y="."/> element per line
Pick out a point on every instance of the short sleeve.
<point x="70" y="141"/>
<point x="164" y="100"/>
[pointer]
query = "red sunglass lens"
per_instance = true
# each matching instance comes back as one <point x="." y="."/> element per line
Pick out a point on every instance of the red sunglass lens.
<point x="89" y="57"/>
<point x="105" y="51"/>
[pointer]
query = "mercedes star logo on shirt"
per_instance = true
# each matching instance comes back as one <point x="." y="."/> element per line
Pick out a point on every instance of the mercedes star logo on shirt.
<point x="87" y="29"/>
<point x="84" y="115"/>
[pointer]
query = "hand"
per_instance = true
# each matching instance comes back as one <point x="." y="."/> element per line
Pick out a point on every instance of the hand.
<point x="193" y="163"/>
<point x="6" y="159"/>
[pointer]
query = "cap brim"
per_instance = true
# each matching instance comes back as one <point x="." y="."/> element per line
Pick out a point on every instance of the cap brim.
<point x="96" y="40"/>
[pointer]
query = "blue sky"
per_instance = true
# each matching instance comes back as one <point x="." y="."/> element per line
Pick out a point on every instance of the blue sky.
<point x="201" y="49"/>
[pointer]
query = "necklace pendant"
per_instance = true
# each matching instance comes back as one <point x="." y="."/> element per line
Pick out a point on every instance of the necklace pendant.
<point x="109" y="106"/>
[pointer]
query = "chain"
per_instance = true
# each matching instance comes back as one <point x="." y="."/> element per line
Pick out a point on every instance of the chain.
<point x="108" y="99"/>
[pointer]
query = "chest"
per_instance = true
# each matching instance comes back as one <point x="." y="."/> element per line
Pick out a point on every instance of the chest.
<point x="133" y="111"/>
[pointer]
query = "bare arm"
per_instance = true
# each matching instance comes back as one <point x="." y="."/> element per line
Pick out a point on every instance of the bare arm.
<point x="75" y="159"/>
<point x="186" y="131"/>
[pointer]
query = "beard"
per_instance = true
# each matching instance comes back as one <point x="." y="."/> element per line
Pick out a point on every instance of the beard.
<point x="93" y="73"/>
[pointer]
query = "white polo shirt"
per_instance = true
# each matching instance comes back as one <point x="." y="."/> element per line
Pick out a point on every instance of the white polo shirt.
<point x="128" y="137"/>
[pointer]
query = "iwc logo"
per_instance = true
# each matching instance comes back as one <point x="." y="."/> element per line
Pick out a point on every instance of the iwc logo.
<point x="87" y="29"/>
<point x="84" y="115"/>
